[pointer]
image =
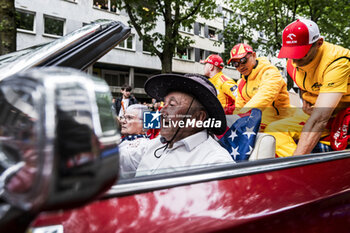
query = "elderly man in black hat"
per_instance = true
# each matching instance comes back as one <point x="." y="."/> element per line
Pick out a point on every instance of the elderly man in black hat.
<point x="190" y="114"/>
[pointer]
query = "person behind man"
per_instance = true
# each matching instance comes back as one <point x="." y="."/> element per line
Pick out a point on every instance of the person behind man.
<point x="322" y="72"/>
<point x="226" y="87"/>
<point x="261" y="85"/>
<point x="191" y="112"/>
<point x="134" y="135"/>
<point x="122" y="103"/>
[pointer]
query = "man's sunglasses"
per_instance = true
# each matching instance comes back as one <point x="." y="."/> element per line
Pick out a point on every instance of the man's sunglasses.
<point x="242" y="61"/>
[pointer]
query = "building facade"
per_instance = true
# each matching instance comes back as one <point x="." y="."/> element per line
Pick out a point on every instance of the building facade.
<point x="129" y="62"/>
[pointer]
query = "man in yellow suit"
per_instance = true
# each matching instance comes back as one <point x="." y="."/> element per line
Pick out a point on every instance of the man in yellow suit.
<point x="322" y="72"/>
<point x="261" y="85"/>
<point x="225" y="86"/>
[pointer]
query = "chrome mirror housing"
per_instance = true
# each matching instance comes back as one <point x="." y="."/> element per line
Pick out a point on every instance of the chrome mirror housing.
<point x="58" y="139"/>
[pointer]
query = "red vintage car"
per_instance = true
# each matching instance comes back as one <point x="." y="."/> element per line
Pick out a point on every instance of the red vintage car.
<point x="309" y="193"/>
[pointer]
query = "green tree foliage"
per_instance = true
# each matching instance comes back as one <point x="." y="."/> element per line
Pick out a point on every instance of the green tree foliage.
<point x="7" y="26"/>
<point x="144" y="16"/>
<point x="272" y="16"/>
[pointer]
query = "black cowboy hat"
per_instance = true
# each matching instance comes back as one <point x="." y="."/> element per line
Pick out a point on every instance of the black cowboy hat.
<point x="201" y="88"/>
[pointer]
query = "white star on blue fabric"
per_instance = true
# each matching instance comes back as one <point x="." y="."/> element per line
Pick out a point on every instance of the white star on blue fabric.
<point x="250" y="151"/>
<point x="234" y="152"/>
<point x="155" y="115"/>
<point x="249" y="132"/>
<point x="233" y="135"/>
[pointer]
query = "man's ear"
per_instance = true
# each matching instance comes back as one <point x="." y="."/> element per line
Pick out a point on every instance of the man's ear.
<point x="320" y="42"/>
<point x="254" y="55"/>
<point x="212" y="67"/>
<point x="201" y="115"/>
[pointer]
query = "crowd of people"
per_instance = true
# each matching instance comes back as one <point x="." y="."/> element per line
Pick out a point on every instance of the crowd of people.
<point x="320" y="69"/>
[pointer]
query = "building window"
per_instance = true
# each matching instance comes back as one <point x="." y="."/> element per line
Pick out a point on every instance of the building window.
<point x="128" y="43"/>
<point x="201" y="29"/>
<point x="25" y="20"/>
<point x="115" y="78"/>
<point x="212" y="33"/>
<point x="184" y="54"/>
<point x="227" y="16"/>
<point x="108" y="5"/>
<point x="186" y="29"/>
<point x="146" y="48"/>
<point x="202" y="54"/>
<point x="53" y="26"/>
<point x="139" y="80"/>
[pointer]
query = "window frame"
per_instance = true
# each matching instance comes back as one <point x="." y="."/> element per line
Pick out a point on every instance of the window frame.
<point x="58" y="19"/>
<point x="125" y="42"/>
<point x="186" y="30"/>
<point x="201" y="28"/>
<point x="227" y="16"/>
<point x="105" y="10"/>
<point x="34" y="21"/>
<point x="215" y="37"/>
<point x="189" y="50"/>
<point x="144" y="51"/>
<point x="202" y="54"/>
<point x="114" y="72"/>
<point x="140" y="74"/>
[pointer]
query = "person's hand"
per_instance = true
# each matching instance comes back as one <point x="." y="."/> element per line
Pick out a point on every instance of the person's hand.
<point x="307" y="107"/>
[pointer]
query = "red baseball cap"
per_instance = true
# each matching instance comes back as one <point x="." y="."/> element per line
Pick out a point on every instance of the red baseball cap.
<point x="297" y="39"/>
<point x="214" y="59"/>
<point x="239" y="50"/>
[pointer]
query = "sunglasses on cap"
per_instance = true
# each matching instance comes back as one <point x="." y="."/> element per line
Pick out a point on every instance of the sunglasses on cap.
<point x="242" y="61"/>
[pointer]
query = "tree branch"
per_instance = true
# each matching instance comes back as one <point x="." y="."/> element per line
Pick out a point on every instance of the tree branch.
<point x="138" y="28"/>
<point x="161" y="8"/>
<point x="193" y="12"/>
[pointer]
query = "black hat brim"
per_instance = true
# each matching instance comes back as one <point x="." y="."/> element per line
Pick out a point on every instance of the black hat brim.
<point x="159" y="86"/>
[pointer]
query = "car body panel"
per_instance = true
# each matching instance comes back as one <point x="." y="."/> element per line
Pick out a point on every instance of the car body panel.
<point x="309" y="198"/>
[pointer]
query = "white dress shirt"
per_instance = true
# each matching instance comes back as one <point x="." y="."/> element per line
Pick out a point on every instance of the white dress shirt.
<point x="125" y="103"/>
<point x="199" y="149"/>
<point x="129" y="159"/>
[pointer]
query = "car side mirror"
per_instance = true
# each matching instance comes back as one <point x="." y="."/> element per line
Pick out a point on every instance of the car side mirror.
<point x="58" y="140"/>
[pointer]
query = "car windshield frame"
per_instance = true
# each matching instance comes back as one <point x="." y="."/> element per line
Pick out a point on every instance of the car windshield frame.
<point x="34" y="56"/>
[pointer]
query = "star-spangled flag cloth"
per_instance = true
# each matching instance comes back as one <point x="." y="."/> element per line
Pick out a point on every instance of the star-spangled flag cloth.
<point x="239" y="139"/>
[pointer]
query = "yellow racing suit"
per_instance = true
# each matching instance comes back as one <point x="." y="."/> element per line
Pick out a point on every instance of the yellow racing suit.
<point x="328" y="72"/>
<point x="226" y="90"/>
<point x="264" y="88"/>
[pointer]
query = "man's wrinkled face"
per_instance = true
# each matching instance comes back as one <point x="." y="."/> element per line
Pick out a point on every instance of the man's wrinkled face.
<point x="175" y="107"/>
<point x="246" y="64"/>
<point x="131" y="123"/>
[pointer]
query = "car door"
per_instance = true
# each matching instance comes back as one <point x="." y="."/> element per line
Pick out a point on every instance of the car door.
<point x="308" y="193"/>
<point x="78" y="49"/>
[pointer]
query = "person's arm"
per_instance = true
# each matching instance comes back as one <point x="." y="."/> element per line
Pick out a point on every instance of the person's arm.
<point x="270" y="87"/>
<point x="334" y="86"/>
<point x="240" y="102"/>
<point x="312" y="131"/>
<point x="230" y="89"/>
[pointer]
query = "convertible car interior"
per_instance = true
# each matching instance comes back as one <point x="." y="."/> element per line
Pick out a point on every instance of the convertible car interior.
<point x="79" y="191"/>
<point x="265" y="144"/>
